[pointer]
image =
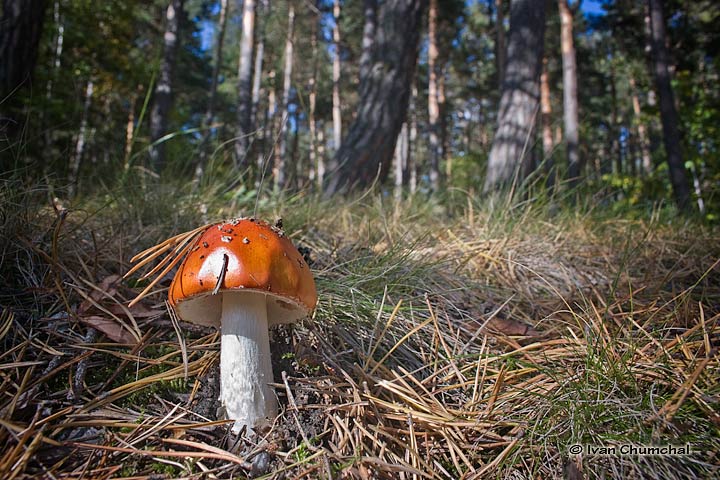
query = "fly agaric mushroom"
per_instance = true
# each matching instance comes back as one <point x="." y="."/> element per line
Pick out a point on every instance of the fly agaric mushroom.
<point x="244" y="276"/>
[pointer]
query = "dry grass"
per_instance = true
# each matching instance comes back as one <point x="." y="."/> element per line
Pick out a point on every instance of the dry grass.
<point x="465" y="346"/>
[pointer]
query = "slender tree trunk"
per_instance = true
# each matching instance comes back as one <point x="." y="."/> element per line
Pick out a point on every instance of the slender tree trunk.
<point x="57" y="50"/>
<point x="266" y="149"/>
<point x="22" y="23"/>
<point x="245" y="64"/>
<point x="369" y="27"/>
<point x="368" y="148"/>
<point x="163" y="89"/>
<point x="336" y="109"/>
<point x="640" y="128"/>
<point x="130" y="131"/>
<point x="259" y="58"/>
<point x="401" y="159"/>
<point x="412" y="163"/>
<point x="668" y="113"/>
<point x="546" y="120"/>
<point x="217" y="62"/>
<point x="433" y="107"/>
<point x="500" y="41"/>
<point x="570" y="102"/>
<point x="312" y="101"/>
<point x="443" y="133"/>
<point x="520" y="93"/>
<point x="76" y="161"/>
<point x="210" y="109"/>
<point x="615" y="123"/>
<point x="320" y="155"/>
<point x="280" y="170"/>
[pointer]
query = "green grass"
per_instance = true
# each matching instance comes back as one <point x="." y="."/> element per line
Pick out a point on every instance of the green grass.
<point x="393" y="373"/>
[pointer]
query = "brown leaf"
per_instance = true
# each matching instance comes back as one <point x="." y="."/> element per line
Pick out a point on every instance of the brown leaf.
<point x="113" y="330"/>
<point x="108" y="285"/>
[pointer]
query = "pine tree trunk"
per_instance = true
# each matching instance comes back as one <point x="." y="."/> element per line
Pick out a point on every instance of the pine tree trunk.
<point x="412" y="163"/>
<point x="336" y="107"/>
<point x="210" y="109"/>
<point x="163" y="88"/>
<point x="22" y="23"/>
<point x="217" y="62"/>
<point x="433" y="107"/>
<point x="500" y="47"/>
<point x="259" y="58"/>
<point x="313" y="172"/>
<point x="520" y="93"/>
<point x="280" y="170"/>
<point x="245" y="65"/>
<point x="570" y="101"/>
<point x="614" y="123"/>
<point x="401" y="159"/>
<point x="368" y="147"/>
<point x="668" y="113"/>
<point x="76" y="160"/>
<point x="369" y="27"/>
<point x="640" y="128"/>
<point x="546" y="120"/>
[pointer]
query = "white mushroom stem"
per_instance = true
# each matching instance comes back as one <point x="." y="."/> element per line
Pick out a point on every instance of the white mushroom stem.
<point x="245" y="363"/>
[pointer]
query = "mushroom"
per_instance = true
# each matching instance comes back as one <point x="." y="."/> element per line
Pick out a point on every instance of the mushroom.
<point x="244" y="276"/>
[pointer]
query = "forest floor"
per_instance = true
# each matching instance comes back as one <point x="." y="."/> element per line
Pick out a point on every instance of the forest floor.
<point x="451" y="340"/>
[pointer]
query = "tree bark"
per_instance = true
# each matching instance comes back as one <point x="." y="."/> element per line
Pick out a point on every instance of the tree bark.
<point x="245" y="67"/>
<point x="217" y="62"/>
<point x="412" y="163"/>
<point x="76" y="160"/>
<point x="640" y="128"/>
<point x="210" y="110"/>
<point x="280" y="170"/>
<point x="570" y="101"/>
<point x="368" y="148"/>
<point x="163" y="89"/>
<point x="314" y="171"/>
<point x="546" y="120"/>
<point x="401" y="159"/>
<point x="259" y="59"/>
<point x="520" y="93"/>
<point x="369" y="27"/>
<point x="668" y="113"/>
<point x="433" y="107"/>
<point x="500" y="39"/>
<point x="336" y="107"/>
<point x="22" y="23"/>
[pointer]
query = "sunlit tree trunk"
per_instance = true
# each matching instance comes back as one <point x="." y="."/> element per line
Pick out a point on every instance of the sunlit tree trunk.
<point x="614" y="130"/>
<point x="320" y="155"/>
<point x="366" y="153"/>
<point x="369" y="27"/>
<point x="76" y="160"/>
<point x="546" y="120"/>
<point x="401" y="159"/>
<point x="130" y="131"/>
<point x="264" y="10"/>
<point x="640" y="128"/>
<point x="336" y="108"/>
<point x="280" y="170"/>
<point x="500" y="41"/>
<point x="210" y="109"/>
<point x="313" y="173"/>
<point x="570" y="101"/>
<point x="163" y="88"/>
<point x="520" y="93"/>
<point x="668" y="113"/>
<point x="433" y="107"/>
<point x="412" y="163"/>
<point x="245" y="65"/>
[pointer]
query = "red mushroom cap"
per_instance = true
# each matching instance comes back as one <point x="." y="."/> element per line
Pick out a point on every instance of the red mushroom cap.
<point x="259" y="259"/>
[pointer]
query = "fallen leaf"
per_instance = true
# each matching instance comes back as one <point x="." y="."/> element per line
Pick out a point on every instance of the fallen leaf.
<point x="109" y="327"/>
